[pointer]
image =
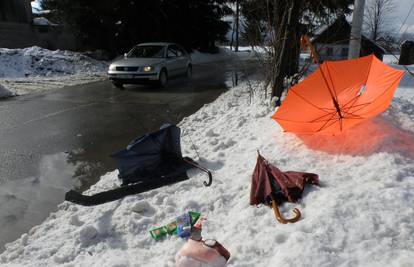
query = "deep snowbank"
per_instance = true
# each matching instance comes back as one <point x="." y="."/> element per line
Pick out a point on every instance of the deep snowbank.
<point x="4" y="92"/>
<point x="36" y="69"/>
<point x="37" y="61"/>
<point x="360" y="215"/>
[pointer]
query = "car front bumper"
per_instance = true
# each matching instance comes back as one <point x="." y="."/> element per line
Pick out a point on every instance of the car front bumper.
<point x="132" y="77"/>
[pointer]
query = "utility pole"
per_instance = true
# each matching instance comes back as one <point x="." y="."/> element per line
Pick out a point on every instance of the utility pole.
<point x="355" y="38"/>
<point x="237" y="26"/>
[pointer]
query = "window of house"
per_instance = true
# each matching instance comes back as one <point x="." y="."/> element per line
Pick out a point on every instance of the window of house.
<point x="344" y="51"/>
<point x="329" y="51"/>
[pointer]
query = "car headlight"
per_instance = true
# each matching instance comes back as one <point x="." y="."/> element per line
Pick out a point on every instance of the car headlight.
<point x="148" y="68"/>
<point x="112" y="67"/>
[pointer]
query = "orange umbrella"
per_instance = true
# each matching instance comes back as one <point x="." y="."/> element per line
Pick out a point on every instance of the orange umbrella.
<point x="338" y="95"/>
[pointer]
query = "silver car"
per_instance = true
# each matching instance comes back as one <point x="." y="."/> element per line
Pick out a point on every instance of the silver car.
<point x="150" y="62"/>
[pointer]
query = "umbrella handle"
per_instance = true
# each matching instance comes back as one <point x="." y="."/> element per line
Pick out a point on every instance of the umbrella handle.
<point x="281" y="219"/>
<point x="194" y="164"/>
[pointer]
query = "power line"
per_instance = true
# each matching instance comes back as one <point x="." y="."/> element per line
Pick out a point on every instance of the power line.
<point x="405" y="20"/>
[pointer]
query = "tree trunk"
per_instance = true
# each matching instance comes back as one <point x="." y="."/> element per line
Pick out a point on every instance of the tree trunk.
<point x="237" y="26"/>
<point x="285" y="43"/>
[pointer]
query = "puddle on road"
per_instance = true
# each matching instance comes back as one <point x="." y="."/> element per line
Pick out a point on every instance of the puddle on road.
<point x="232" y="78"/>
<point x="27" y="202"/>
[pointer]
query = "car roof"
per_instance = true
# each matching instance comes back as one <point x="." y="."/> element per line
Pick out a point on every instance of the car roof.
<point x="156" y="43"/>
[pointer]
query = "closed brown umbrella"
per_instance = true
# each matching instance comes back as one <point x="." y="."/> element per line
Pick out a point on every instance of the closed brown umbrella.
<point x="271" y="186"/>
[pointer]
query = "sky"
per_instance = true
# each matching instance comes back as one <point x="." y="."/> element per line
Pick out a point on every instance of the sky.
<point x="402" y="8"/>
<point x="35" y="4"/>
<point x="401" y="11"/>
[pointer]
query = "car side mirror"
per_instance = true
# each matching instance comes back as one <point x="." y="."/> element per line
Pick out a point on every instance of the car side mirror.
<point x="125" y="55"/>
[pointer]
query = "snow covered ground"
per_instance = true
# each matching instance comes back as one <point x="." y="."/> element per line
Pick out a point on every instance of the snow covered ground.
<point x="360" y="215"/>
<point x="36" y="69"/>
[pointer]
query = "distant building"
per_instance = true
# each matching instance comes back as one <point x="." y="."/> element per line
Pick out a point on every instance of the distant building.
<point x="332" y="42"/>
<point x="19" y="28"/>
<point x="17" y="11"/>
<point x="15" y="24"/>
<point x="407" y="53"/>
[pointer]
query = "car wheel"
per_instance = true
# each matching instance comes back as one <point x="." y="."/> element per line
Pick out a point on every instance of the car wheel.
<point x="163" y="78"/>
<point x="189" y="72"/>
<point x="118" y="85"/>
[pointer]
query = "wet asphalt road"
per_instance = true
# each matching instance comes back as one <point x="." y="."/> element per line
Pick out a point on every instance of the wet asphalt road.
<point x="61" y="139"/>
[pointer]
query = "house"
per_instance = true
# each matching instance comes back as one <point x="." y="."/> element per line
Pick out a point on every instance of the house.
<point x="20" y="28"/>
<point x="332" y="42"/>
<point x="407" y="53"/>
<point x="15" y="24"/>
<point x="15" y="11"/>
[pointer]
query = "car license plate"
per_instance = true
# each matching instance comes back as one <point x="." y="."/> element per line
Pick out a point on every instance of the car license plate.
<point x="125" y="76"/>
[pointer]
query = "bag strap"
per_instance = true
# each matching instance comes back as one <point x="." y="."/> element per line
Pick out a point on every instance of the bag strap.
<point x="118" y="193"/>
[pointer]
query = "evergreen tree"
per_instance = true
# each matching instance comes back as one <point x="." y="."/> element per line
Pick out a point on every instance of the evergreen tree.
<point x="254" y="24"/>
<point x="117" y="25"/>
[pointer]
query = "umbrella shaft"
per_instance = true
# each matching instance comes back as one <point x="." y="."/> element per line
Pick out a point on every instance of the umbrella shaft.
<point x="337" y="107"/>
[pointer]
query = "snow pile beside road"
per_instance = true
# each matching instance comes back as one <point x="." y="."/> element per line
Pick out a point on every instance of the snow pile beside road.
<point x="4" y="92"/>
<point x="36" y="69"/>
<point x="224" y="54"/>
<point x="360" y="215"/>
<point x="23" y="86"/>
<point x="36" y="61"/>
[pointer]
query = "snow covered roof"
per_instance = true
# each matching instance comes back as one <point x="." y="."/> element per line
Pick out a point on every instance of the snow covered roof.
<point x="42" y="21"/>
<point x="339" y="32"/>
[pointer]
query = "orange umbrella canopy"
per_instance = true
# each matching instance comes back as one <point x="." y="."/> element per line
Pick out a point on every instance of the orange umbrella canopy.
<point x="338" y="95"/>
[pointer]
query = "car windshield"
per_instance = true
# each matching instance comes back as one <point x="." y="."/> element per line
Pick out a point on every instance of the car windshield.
<point x="147" y="51"/>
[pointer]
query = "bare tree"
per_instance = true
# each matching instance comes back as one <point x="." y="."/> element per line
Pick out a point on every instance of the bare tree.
<point x="378" y="15"/>
<point x="277" y="25"/>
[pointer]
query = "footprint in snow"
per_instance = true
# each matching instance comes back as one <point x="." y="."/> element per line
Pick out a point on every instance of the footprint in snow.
<point x="87" y="236"/>
<point x="143" y="208"/>
<point x="224" y="145"/>
<point x="280" y="238"/>
<point x="260" y="114"/>
<point x="159" y="198"/>
<point x="214" y="141"/>
<point x="242" y="121"/>
<point x="74" y="220"/>
<point x="211" y="133"/>
<point x="212" y="165"/>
